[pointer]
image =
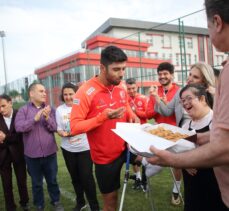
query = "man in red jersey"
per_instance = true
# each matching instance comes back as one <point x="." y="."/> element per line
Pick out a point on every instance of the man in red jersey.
<point x="98" y="105"/>
<point x="138" y="104"/>
<point x="166" y="91"/>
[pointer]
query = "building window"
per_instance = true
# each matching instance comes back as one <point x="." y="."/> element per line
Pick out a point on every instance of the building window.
<point x="150" y="40"/>
<point x="153" y="55"/>
<point x="195" y="58"/>
<point x="177" y="60"/>
<point x="128" y="73"/>
<point x="201" y="48"/>
<point x="89" y="72"/>
<point x="171" y="56"/>
<point x="166" y="41"/>
<point x="45" y="82"/>
<point x="189" y="43"/>
<point x="55" y="80"/>
<point x="188" y="58"/>
<point x="209" y="51"/>
<point x="219" y="59"/>
<point x="179" y="76"/>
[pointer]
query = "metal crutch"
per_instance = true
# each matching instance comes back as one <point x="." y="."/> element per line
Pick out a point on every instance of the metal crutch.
<point x="150" y="195"/>
<point x="174" y="180"/>
<point x="125" y="179"/>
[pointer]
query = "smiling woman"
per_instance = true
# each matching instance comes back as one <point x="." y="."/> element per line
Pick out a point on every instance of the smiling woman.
<point x="199" y="182"/>
<point x="195" y="100"/>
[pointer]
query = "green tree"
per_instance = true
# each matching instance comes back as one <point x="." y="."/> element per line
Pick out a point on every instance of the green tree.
<point x="24" y="94"/>
<point x="13" y="93"/>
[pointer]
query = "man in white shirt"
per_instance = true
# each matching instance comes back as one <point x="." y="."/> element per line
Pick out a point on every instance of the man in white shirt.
<point x="11" y="153"/>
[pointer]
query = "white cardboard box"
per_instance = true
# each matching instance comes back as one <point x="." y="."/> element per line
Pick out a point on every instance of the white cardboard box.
<point x="140" y="140"/>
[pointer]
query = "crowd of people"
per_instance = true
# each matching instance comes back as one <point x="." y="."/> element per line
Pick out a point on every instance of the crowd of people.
<point x="87" y="115"/>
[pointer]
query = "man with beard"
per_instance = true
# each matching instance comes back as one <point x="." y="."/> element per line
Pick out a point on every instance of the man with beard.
<point x="166" y="92"/>
<point x="98" y="105"/>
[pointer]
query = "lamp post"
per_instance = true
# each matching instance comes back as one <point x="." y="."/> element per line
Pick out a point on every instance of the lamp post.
<point x="2" y="35"/>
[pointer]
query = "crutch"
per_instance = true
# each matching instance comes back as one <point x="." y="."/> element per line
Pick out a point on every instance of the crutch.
<point x="150" y="194"/>
<point x="174" y="180"/>
<point x="125" y="179"/>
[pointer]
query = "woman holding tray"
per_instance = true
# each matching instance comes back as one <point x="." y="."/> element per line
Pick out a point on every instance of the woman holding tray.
<point x="201" y="191"/>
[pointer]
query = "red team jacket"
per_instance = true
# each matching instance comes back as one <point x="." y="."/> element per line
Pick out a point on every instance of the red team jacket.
<point x="89" y="102"/>
<point x="139" y="103"/>
<point x="169" y="96"/>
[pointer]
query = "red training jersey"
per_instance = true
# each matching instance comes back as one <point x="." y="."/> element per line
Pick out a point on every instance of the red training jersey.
<point x="138" y="103"/>
<point x="169" y="96"/>
<point x="87" y="115"/>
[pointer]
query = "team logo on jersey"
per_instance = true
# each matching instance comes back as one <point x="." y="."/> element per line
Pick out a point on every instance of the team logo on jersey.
<point x="101" y="104"/>
<point x="90" y="90"/>
<point x="122" y="94"/>
<point x="139" y="103"/>
<point x="76" y="101"/>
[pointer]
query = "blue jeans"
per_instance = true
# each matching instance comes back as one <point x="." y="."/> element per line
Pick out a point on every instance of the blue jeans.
<point x="38" y="168"/>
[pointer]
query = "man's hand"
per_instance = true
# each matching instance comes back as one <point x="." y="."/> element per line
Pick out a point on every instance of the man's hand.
<point x="46" y="112"/>
<point x="2" y="137"/>
<point x="63" y="133"/>
<point x="38" y="115"/>
<point x="203" y="138"/>
<point x="192" y="172"/>
<point x="153" y="90"/>
<point x="116" y="113"/>
<point x="134" y="119"/>
<point x="211" y="90"/>
<point x="162" y="157"/>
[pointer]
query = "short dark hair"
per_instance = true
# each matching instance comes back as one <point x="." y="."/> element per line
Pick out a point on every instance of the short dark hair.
<point x="199" y="90"/>
<point x="130" y="81"/>
<point x="112" y="54"/>
<point x="67" y="85"/>
<point x="33" y="85"/>
<point x="217" y="7"/>
<point x="165" y="66"/>
<point x="5" y="97"/>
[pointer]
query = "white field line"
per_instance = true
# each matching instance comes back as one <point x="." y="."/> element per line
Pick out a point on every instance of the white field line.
<point x="67" y="194"/>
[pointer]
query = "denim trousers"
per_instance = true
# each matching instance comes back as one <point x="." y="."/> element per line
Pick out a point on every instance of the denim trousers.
<point x="39" y="168"/>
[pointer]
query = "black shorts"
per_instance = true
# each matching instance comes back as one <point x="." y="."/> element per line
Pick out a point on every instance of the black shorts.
<point x="108" y="175"/>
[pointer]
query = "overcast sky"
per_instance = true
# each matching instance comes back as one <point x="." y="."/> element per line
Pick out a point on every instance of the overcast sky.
<point x="39" y="31"/>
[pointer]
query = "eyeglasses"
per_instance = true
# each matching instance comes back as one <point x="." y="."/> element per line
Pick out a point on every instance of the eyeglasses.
<point x="187" y="99"/>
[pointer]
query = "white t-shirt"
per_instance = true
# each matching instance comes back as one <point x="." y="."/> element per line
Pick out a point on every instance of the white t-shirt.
<point x="201" y="123"/>
<point x="8" y="120"/>
<point x="76" y="143"/>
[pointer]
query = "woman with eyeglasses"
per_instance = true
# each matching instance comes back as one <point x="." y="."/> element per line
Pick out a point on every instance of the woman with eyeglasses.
<point x="76" y="153"/>
<point x="201" y="191"/>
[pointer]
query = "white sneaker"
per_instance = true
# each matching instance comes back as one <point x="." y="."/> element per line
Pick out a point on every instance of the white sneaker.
<point x="150" y="170"/>
<point x="175" y="200"/>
